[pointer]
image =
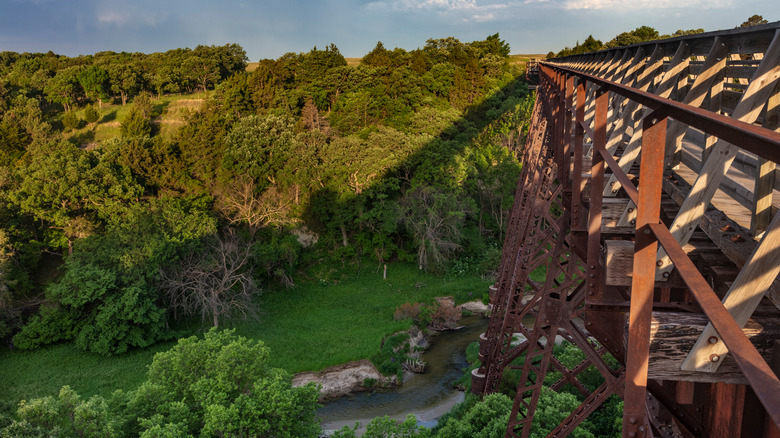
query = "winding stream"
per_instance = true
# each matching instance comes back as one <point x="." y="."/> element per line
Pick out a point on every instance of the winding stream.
<point x="428" y="395"/>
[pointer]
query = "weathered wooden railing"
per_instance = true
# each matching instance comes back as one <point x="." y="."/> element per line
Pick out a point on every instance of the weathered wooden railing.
<point x="691" y="106"/>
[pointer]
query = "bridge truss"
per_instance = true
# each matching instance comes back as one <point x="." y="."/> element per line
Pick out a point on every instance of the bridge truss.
<point x="646" y="197"/>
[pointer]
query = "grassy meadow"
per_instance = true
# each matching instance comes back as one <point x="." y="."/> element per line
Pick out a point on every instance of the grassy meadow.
<point x="334" y="317"/>
<point x="169" y="113"/>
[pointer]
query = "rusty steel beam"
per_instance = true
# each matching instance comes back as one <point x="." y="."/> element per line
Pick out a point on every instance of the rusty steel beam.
<point x="635" y="421"/>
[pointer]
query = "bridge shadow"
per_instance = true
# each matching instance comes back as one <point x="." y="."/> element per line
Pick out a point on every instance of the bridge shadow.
<point x="361" y="217"/>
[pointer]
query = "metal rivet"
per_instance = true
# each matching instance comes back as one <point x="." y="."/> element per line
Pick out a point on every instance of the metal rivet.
<point x="630" y="210"/>
<point x="646" y="231"/>
<point x="591" y="275"/>
<point x="632" y="420"/>
<point x="714" y="358"/>
<point x="713" y="339"/>
<point x="591" y="284"/>
<point x="659" y="263"/>
<point x="633" y="222"/>
<point x="666" y="275"/>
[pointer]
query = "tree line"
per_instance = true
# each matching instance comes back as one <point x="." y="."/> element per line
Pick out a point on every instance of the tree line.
<point x="639" y="35"/>
<point x="114" y="244"/>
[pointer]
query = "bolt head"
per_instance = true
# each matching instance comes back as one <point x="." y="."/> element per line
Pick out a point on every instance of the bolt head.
<point x="714" y="358"/>
<point x="713" y="340"/>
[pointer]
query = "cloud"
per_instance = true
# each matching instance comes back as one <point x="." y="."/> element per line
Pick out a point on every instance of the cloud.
<point x="414" y="5"/>
<point x="464" y="11"/>
<point x="640" y="4"/>
<point x="127" y="14"/>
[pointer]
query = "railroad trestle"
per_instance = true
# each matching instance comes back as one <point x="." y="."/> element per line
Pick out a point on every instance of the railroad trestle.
<point x="648" y="198"/>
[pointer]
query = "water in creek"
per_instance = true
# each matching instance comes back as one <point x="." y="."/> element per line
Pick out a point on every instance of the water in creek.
<point x="428" y="395"/>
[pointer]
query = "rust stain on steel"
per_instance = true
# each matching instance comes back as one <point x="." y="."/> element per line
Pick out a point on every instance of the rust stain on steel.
<point x="643" y="281"/>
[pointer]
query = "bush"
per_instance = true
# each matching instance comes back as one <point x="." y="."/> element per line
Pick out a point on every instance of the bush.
<point x="134" y="124"/>
<point x="394" y="351"/>
<point x="408" y="310"/>
<point x="70" y="120"/>
<point x="91" y="115"/>
<point x="222" y="385"/>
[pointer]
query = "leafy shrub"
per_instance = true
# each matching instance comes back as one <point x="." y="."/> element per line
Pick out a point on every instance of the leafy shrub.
<point x="445" y="315"/>
<point x="134" y="124"/>
<point x="67" y="415"/>
<point x="91" y="115"/>
<point x="408" y="310"/>
<point x="391" y="356"/>
<point x="385" y="427"/>
<point x="70" y="120"/>
<point x="483" y="419"/>
<point x="220" y="385"/>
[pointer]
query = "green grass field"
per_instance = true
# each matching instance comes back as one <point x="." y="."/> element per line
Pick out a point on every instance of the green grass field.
<point x="340" y="317"/>
<point x="170" y="112"/>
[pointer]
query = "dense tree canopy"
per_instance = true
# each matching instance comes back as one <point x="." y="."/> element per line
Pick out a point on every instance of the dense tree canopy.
<point x="409" y="155"/>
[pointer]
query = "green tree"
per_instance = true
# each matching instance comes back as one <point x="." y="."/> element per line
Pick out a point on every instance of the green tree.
<point x="66" y="415"/>
<point x="638" y="35"/>
<point x="106" y="300"/>
<point x="91" y="115"/>
<point x="754" y="20"/>
<point x="126" y="80"/>
<point x="378" y="57"/>
<point x="64" y="87"/>
<point x="485" y="419"/>
<point x="386" y="427"/>
<point x="95" y="83"/>
<point x="134" y="124"/>
<point x="70" y="120"/>
<point x="222" y="385"/>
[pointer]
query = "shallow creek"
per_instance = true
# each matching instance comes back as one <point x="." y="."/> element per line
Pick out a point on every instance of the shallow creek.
<point x="428" y="395"/>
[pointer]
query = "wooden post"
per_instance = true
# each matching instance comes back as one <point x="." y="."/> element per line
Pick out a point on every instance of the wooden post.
<point x="761" y="213"/>
<point x="716" y="101"/>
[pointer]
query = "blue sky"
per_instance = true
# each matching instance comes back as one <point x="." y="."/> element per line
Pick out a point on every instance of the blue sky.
<point x="268" y="29"/>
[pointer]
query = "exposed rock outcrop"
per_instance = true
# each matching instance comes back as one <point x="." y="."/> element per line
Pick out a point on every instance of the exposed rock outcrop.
<point x="477" y="307"/>
<point x="343" y="379"/>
